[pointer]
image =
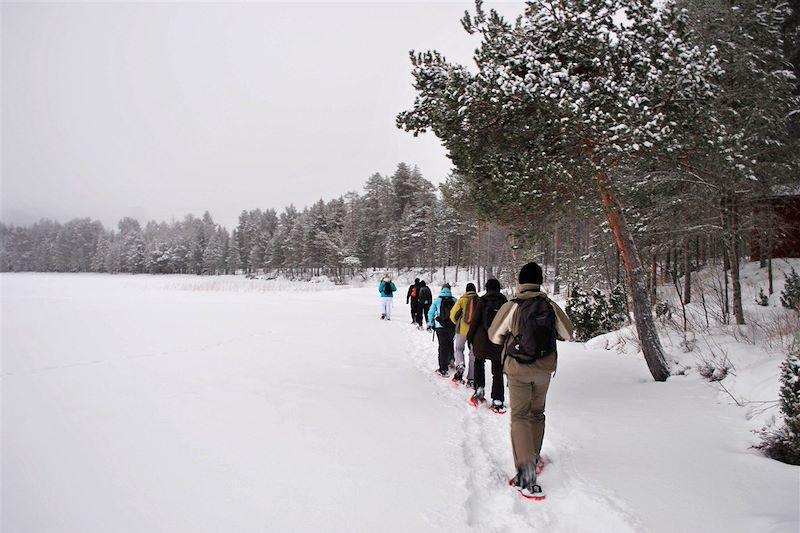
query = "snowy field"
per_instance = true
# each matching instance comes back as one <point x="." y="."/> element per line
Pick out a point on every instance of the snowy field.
<point x="140" y="403"/>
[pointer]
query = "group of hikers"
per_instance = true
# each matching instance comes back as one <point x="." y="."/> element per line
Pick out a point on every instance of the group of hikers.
<point x="518" y="337"/>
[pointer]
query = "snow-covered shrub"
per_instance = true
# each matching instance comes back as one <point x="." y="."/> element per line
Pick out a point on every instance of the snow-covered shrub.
<point x="579" y="310"/>
<point x="790" y="296"/>
<point x="783" y="442"/>
<point x="715" y="368"/>
<point x="591" y="313"/>
<point x="663" y="311"/>
<point x="617" y="307"/>
<point x="762" y="299"/>
<point x="599" y="306"/>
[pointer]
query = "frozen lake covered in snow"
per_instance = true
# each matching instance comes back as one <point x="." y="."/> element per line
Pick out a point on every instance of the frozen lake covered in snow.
<point x="141" y="403"/>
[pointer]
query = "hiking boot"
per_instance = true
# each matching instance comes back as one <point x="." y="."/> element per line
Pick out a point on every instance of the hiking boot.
<point x="442" y="373"/>
<point x="525" y="478"/>
<point x="459" y="373"/>
<point x="471" y="383"/>
<point x="383" y="317"/>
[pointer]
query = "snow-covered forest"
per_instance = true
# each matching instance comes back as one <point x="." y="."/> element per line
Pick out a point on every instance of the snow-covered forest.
<point x="396" y="221"/>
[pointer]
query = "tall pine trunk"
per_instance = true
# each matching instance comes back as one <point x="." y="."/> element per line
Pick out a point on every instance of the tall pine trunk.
<point x="687" y="273"/>
<point x="556" y="266"/>
<point x="642" y="312"/>
<point x="731" y="217"/>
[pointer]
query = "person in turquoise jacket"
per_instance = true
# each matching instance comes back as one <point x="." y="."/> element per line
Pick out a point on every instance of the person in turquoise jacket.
<point x="387" y="289"/>
<point x="439" y="318"/>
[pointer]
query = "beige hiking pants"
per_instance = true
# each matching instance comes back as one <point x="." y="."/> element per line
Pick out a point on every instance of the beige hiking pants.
<point x="527" y="390"/>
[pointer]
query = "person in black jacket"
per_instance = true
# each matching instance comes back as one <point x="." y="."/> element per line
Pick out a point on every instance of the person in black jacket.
<point x="478" y="337"/>
<point x="424" y="301"/>
<point x="411" y="298"/>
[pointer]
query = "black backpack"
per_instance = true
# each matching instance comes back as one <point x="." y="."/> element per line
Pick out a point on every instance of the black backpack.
<point x="444" y="312"/>
<point x="490" y="309"/>
<point x="387" y="288"/>
<point x="536" y="331"/>
<point x="424" y="295"/>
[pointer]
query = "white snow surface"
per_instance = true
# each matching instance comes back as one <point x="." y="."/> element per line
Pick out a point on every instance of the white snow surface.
<point x="132" y="404"/>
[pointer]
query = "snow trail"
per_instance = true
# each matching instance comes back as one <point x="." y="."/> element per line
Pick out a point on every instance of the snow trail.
<point x="572" y="504"/>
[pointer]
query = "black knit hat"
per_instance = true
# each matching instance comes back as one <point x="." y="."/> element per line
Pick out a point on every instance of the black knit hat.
<point x="493" y="285"/>
<point x="531" y="273"/>
<point x="416" y="281"/>
<point x="470" y="287"/>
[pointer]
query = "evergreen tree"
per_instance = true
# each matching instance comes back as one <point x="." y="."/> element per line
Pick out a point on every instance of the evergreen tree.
<point x="579" y="310"/>
<point x="617" y="308"/>
<point x="213" y="255"/>
<point x="790" y="296"/>
<point x="573" y="94"/>
<point x="783" y="443"/>
<point x="233" y="258"/>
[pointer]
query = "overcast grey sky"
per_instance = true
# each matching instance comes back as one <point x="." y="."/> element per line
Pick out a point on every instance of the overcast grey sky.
<point x="156" y="110"/>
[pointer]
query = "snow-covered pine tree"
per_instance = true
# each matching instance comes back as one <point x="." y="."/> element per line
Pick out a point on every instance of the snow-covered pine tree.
<point x="569" y="93"/>
<point x="99" y="259"/>
<point x="212" y="255"/>
<point x="579" y="309"/>
<point x="783" y="442"/>
<point x="233" y="259"/>
<point x="113" y="261"/>
<point x="600" y="312"/>
<point x="617" y="307"/>
<point x="790" y="295"/>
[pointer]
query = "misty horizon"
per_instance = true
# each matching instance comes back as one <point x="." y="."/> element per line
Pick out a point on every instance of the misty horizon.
<point x="156" y="111"/>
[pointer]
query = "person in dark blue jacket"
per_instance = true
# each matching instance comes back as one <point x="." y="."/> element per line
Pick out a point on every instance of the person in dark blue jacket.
<point x="387" y="289"/>
<point x="439" y="318"/>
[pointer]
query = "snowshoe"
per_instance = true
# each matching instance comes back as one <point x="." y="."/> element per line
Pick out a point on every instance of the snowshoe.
<point x="525" y="482"/>
<point x="477" y="397"/>
<point x="532" y="492"/>
<point x="459" y="374"/>
<point x="498" y="407"/>
<point x="471" y="383"/>
<point x="442" y="373"/>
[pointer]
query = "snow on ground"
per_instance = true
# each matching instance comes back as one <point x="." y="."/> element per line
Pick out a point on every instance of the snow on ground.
<point x="743" y="361"/>
<point x="131" y="404"/>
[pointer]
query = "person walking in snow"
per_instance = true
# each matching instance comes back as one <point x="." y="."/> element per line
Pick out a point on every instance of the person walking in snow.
<point x="461" y="315"/>
<point x="527" y="328"/>
<point x="424" y="301"/>
<point x="387" y="289"/>
<point x="483" y="349"/>
<point x="439" y="319"/>
<point x="411" y="298"/>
